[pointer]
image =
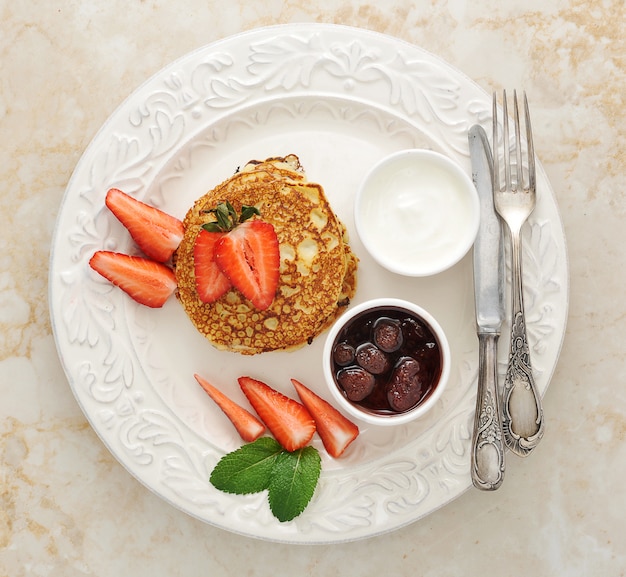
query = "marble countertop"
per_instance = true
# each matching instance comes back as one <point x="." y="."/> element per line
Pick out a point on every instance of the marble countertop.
<point x="67" y="507"/>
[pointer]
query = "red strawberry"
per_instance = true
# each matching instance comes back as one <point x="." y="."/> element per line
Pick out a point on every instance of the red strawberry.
<point x="289" y="421"/>
<point x="211" y="283"/>
<point x="247" y="425"/>
<point x="157" y="233"/>
<point x="249" y="256"/>
<point x="335" y="430"/>
<point x="148" y="282"/>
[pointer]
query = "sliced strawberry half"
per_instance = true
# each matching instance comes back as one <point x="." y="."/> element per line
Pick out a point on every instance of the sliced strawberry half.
<point x="211" y="282"/>
<point x="249" y="256"/>
<point x="148" y="282"/>
<point x="289" y="421"/>
<point x="247" y="425"/>
<point x="335" y="430"/>
<point x="157" y="233"/>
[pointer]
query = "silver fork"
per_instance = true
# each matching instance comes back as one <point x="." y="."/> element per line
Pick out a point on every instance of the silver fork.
<point x="514" y="200"/>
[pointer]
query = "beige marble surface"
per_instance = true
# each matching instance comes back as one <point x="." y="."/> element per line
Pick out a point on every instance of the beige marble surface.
<point x="68" y="508"/>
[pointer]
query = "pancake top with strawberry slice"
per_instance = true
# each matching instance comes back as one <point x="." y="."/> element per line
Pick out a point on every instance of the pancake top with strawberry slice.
<point x="264" y="264"/>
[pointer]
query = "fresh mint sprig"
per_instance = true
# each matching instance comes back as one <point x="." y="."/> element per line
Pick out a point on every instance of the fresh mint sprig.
<point x="289" y="477"/>
<point x="293" y="481"/>
<point x="248" y="469"/>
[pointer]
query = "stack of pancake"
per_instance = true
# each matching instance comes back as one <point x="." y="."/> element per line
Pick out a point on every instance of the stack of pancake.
<point x="317" y="267"/>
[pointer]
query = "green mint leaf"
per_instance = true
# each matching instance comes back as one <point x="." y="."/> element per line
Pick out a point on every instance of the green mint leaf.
<point x="293" y="481"/>
<point x="248" y="469"/>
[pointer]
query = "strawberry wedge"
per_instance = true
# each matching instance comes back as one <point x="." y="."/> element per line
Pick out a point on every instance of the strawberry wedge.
<point x="211" y="282"/>
<point x="249" y="256"/>
<point x="157" y="233"/>
<point x="335" y="430"/>
<point x="289" y="421"/>
<point x="247" y="425"/>
<point x="148" y="282"/>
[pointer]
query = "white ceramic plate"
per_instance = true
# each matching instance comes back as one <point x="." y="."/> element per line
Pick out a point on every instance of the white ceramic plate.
<point x="339" y="98"/>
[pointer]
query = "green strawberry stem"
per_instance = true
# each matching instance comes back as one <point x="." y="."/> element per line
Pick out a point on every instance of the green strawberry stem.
<point x="227" y="218"/>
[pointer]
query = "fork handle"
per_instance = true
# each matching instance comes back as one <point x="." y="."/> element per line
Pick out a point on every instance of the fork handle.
<point x="522" y="412"/>
<point x="487" y="442"/>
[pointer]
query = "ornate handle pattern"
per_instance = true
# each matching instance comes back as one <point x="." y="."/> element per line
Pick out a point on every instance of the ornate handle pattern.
<point x="522" y="413"/>
<point x="487" y="442"/>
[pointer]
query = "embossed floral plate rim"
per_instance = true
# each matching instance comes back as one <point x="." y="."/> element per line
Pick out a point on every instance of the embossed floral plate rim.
<point x="339" y="97"/>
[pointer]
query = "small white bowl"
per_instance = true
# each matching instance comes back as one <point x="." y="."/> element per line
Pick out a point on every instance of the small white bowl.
<point x="382" y="307"/>
<point x="417" y="212"/>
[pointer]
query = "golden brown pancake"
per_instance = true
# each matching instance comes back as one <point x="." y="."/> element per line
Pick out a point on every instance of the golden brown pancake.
<point x="317" y="268"/>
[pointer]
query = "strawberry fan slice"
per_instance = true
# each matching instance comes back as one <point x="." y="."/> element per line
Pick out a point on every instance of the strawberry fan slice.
<point x="289" y="421"/>
<point x="157" y="233"/>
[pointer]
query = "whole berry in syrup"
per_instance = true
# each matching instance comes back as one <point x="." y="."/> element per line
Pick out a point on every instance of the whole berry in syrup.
<point x="388" y="334"/>
<point x="372" y="359"/>
<point x="343" y="354"/>
<point x="356" y="382"/>
<point x="406" y="385"/>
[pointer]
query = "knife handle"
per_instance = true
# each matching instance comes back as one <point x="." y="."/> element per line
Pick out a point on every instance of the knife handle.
<point x="487" y="439"/>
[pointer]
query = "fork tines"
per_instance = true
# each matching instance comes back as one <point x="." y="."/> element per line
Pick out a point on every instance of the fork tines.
<point x="509" y="183"/>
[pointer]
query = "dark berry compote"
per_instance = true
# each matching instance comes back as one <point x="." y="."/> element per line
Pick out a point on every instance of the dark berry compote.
<point x="386" y="361"/>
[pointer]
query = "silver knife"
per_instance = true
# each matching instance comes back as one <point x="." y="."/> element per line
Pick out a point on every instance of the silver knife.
<point x="488" y="446"/>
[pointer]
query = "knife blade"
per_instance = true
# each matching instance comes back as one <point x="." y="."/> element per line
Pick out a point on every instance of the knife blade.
<point x="487" y="466"/>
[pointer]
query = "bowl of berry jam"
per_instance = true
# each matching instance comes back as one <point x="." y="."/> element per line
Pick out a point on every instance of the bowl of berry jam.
<point x="386" y="361"/>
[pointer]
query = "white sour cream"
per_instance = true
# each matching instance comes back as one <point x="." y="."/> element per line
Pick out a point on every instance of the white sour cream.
<point x="417" y="213"/>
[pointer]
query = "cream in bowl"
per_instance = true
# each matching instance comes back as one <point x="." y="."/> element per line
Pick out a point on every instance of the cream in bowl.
<point x="386" y="361"/>
<point x="417" y="212"/>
